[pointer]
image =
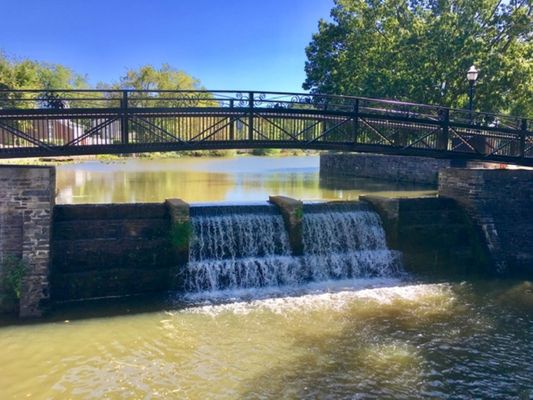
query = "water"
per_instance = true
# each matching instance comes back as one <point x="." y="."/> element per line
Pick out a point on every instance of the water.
<point x="345" y="323"/>
<point x="374" y="338"/>
<point x="238" y="250"/>
<point x="233" y="250"/>
<point x="239" y="179"/>
<point x="345" y="243"/>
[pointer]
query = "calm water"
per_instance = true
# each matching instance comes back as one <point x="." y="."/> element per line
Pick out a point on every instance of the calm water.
<point x="212" y="179"/>
<point x="344" y="341"/>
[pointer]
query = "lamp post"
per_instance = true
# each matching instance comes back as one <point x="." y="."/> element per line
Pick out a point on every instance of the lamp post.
<point x="471" y="75"/>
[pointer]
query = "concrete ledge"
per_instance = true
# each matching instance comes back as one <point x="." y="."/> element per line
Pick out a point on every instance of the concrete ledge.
<point x="292" y="212"/>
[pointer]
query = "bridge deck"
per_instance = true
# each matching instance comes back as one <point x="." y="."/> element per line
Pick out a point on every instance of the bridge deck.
<point x="62" y="123"/>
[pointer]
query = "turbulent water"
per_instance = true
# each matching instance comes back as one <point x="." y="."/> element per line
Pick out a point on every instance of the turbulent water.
<point x="339" y="322"/>
<point x="341" y="244"/>
<point x="234" y="249"/>
<point x="370" y="338"/>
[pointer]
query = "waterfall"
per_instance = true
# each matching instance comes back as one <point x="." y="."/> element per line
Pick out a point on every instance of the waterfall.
<point x="341" y="242"/>
<point x="248" y="247"/>
<point x="238" y="247"/>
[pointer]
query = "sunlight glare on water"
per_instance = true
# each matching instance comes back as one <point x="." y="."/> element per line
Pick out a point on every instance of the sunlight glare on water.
<point x="380" y="337"/>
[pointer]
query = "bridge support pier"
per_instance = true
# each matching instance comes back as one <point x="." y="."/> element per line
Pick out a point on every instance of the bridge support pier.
<point x="410" y="169"/>
<point x="27" y="196"/>
<point x="499" y="203"/>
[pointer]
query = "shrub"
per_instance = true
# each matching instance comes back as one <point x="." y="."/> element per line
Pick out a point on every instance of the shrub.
<point x="12" y="272"/>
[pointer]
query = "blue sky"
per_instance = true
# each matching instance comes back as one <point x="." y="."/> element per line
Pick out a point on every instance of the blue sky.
<point x="227" y="44"/>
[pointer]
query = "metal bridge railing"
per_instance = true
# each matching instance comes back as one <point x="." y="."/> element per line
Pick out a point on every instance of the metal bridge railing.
<point x="54" y="122"/>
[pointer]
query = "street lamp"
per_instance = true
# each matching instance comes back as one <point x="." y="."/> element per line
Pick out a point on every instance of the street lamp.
<point x="471" y="75"/>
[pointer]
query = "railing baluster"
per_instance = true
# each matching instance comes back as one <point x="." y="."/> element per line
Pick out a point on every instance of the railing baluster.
<point x="251" y="116"/>
<point x="231" y="123"/>
<point x="523" y="133"/>
<point x="355" y="120"/>
<point x="124" y="121"/>
<point x="443" y="137"/>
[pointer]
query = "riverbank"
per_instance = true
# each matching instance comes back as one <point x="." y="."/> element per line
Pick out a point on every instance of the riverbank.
<point x="162" y="155"/>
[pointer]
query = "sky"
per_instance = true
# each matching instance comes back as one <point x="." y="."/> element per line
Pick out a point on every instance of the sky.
<point x="227" y="44"/>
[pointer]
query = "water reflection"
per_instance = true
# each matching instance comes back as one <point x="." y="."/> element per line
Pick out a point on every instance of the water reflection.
<point x="213" y="179"/>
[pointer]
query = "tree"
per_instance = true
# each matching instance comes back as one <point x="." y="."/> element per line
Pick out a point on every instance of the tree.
<point x="30" y="74"/>
<point x="420" y="50"/>
<point x="164" y="78"/>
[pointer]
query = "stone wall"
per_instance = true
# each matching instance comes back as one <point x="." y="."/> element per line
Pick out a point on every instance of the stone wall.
<point x="501" y="204"/>
<point x="393" y="168"/>
<point x="435" y="235"/>
<point x="26" y="201"/>
<point x="103" y="250"/>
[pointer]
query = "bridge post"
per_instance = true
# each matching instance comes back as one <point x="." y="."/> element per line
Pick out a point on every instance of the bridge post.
<point x="443" y="135"/>
<point x="231" y="123"/>
<point x="355" y="119"/>
<point x="251" y="116"/>
<point x="124" y="129"/>
<point x="523" y="132"/>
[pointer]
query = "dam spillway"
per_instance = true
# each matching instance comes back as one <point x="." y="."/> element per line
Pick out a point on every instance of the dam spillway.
<point x="247" y="247"/>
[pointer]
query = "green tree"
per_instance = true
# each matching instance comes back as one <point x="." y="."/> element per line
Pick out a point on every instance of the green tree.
<point x="420" y="50"/>
<point x="166" y="77"/>
<point x="30" y="74"/>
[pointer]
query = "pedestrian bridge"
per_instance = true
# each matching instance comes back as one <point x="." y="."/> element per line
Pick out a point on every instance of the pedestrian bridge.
<point x="75" y="122"/>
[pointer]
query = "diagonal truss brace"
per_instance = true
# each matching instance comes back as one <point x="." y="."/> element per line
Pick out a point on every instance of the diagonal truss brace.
<point x="22" y="135"/>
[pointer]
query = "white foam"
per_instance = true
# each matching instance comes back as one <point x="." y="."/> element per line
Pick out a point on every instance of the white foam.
<point x="332" y="295"/>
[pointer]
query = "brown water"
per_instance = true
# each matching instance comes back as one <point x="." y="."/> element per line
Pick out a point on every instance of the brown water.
<point x="238" y="179"/>
<point x="355" y="340"/>
<point x="379" y="338"/>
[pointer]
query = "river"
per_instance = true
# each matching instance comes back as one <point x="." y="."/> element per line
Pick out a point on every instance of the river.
<point x="238" y="179"/>
<point x="369" y="334"/>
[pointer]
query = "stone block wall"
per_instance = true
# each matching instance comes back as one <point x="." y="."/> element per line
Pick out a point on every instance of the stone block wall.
<point x="387" y="167"/>
<point x="501" y="204"/>
<point x="434" y="235"/>
<point x="103" y="250"/>
<point x="26" y="201"/>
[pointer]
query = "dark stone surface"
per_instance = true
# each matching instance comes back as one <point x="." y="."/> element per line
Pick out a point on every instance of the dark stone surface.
<point x="500" y="202"/>
<point x="392" y="168"/>
<point x="292" y="212"/>
<point x="104" y="250"/>
<point x="106" y="212"/>
<point x="434" y="234"/>
<point x="27" y="196"/>
<point x="180" y="236"/>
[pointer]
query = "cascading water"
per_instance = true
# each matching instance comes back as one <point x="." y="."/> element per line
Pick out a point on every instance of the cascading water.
<point x="244" y="249"/>
<point x="247" y="247"/>
<point x="346" y="241"/>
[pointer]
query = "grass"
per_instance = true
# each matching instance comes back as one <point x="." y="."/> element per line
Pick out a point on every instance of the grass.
<point x="161" y="155"/>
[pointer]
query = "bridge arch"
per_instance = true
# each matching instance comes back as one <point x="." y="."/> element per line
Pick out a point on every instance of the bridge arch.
<point x="37" y="123"/>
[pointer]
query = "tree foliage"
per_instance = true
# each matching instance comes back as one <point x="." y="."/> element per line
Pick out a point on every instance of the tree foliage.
<point x="30" y="74"/>
<point x="420" y="50"/>
<point x="166" y="77"/>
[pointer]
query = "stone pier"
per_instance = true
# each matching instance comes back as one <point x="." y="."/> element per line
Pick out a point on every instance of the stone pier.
<point x="292" y="212"/>
<point x="27" y="196"/>
<point x="500" y="202"/>
<point x="410" y="169"/>
<point x="434" y="235"/>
